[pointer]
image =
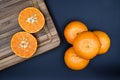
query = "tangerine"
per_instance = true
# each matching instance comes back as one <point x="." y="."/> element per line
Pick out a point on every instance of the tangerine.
<point x="73" y="29"/>
<point x="86" y="45"/>
<point x="104" y="40"/>
<point x="73" y="61"/>
<point x="31" y="20"/>
<point x="23" y="44"/>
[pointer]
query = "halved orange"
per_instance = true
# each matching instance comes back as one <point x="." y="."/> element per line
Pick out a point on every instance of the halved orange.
<point x="31" y="20"/>
<point x="86" y="45"/>
<point x="73" y="61"/>
<point x="73" y="29"/>
<point x="23" y="44"/>
<point x="104" y="40"/>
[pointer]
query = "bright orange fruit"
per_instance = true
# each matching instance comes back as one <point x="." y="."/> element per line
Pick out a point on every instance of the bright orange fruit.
<point x="104" y="40"/>
<point x="86" y="45"/>
<point x="23" y="44"/>
<point x="31" y="20"/>
<point x="73" y="29"/>
<point x="73" y="61"/>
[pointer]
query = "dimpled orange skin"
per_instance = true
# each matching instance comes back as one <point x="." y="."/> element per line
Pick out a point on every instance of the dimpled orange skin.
<point x="23" y="44"/>
<point x="86" y="45"/>
<point x="73" y="29"/>
<point x="104" y="40"/>
<point x="31" y="20"/>
<point x="73" y="61"/>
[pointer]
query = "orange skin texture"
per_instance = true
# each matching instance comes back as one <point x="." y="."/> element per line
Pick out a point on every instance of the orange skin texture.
<point x="31" y="20"/>
<point x="73" y="29"/>
<point x="104" y="40"/>
<point x="73" y="61"/>
<point x="23" y="44"/>
<point x="86" y="45"/>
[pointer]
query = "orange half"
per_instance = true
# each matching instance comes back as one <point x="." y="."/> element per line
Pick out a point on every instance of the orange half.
<point x="31" y="20"/>
<point x="23" y="44"/>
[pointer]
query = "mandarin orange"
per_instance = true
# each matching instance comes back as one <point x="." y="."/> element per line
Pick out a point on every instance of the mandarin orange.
<point x="31" y="20"/>
<point x="23" y="44"/>
<point x="86" y="45"/>
<point x="104" y="40"/>
<point x="73" y="29"/>
<point x="73" y="61"/>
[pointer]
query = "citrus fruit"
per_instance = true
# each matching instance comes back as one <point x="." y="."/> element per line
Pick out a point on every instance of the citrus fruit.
<point x="23" y="44"/>
<point x="73" y="29"/>
<point x="31" y="20"/>
<point x="104" y="40"/>
<point x="86" y="45"/>
<point x="73" y="61"/>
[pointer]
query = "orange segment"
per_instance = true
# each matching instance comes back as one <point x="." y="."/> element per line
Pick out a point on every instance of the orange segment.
<point x="23" y="44"/>
<point x="104" y="40"/>
<point x="86" y="45"/>
<point x="73" y="61"/>
<point x="73" y="29"/>
<point x="31" y="20"/>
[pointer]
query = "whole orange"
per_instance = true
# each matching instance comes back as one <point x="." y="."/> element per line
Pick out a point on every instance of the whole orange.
<point x="73" y="61"/>
<point x="104" y="40"/>
<point x="73" y="29"/>
<point x="86" y="45"/>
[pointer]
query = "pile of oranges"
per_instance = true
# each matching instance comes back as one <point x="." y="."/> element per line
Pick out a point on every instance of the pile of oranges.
<point x="23" y="43"/>
<point x="85" y="45"/>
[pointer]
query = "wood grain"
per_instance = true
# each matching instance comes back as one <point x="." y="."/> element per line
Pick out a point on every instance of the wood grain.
<point x="9" y="9"/>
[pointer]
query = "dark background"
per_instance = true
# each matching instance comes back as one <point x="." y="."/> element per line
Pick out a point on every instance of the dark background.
<point x="96" y="14"/>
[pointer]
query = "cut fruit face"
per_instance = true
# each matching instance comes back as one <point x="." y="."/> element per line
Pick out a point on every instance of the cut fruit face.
<point x="31" y="20"/>
<point x="23" y="44"/>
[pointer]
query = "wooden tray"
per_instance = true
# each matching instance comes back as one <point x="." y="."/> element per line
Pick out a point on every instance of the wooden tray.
<point x="9" y="10"/>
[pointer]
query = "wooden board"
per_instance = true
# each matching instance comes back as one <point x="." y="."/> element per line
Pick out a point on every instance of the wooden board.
<point x="9" y="9"/>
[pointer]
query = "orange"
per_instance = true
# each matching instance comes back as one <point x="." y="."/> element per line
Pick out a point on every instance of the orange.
<point x="23" y="44"/>
<point x="104" y="40"/>
<point x="73" y="29"/>
<point x="73" y="61"/>
<point x="31" y="20"/>
<point x="86" y="45"/>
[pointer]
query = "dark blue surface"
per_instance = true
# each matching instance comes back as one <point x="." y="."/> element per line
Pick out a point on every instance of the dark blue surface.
<point x="96" y="14"/>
